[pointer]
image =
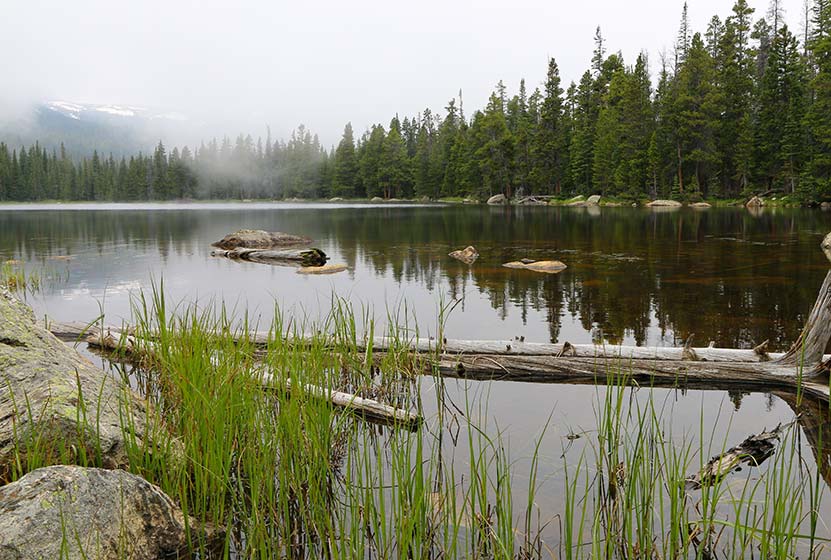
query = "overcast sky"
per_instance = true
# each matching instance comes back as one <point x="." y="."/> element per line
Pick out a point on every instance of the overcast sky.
<point x="243" y="64"/>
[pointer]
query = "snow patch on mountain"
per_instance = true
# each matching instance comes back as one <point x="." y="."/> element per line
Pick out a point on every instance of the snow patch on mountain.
<point x="78" y="111"/>
<point x="116" y="110"/>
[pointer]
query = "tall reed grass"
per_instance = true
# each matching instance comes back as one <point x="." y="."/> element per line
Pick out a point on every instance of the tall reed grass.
<point x="246" y="450"/>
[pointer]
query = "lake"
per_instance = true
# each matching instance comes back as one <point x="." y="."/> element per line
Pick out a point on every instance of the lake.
<point x="636" y="276"/>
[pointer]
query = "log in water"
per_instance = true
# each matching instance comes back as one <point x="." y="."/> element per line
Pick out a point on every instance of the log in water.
<point x="303" y="257"/>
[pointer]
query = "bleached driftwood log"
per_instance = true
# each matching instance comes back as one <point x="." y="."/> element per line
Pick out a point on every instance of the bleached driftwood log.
<point x="71" y="331"/>
<point x="118" y="341"/>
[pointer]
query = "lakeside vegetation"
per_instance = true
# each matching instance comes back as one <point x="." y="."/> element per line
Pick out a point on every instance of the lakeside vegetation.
<point x="744" y="107"/>
<point x="279" y="473"/>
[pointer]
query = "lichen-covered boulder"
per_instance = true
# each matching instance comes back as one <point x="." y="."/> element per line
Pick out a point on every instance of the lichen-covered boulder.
<point x="53" y="402"/>
<point x="71" y="512"/>
<point x="259" y="239"/>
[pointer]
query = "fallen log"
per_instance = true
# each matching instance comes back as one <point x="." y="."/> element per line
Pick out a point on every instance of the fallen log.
<point x="522" y="361"/>
<point x="371" y="410"/>
<point x="74" y="331"/>
<point x="753" y="451"/>
<point x="303" y="257"/>
<point x="752" y="376"/>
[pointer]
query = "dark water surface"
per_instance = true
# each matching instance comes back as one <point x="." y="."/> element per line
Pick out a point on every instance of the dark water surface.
<point x="634" y="275"/>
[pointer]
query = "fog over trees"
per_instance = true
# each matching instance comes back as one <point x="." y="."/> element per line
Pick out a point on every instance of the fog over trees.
<point x="743" y="106"/>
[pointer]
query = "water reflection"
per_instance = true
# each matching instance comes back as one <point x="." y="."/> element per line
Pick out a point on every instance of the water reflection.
<point x="637" y="275"/>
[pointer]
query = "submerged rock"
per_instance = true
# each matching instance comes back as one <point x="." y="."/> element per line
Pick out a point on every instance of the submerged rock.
<point x="497" y="199"/>
<point x="55" y="403"/>
<point x="324" y="269"/>
<point x="468" y="255"/>
<point x="74" y="512"/>
<point x="660" y="203"/>
<point x="550" y="267"/>
<point x="259" y="239"/>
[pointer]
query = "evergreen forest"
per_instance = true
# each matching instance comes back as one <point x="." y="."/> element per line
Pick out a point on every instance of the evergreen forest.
<point x="742" y="107"/>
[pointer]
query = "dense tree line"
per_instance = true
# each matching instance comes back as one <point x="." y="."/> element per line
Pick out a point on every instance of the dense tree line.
<point x="743" y="107"/>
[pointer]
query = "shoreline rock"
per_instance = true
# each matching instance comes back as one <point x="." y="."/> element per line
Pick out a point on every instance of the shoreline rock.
<point x="76" y="512"/>
<point x="593" y="200"/>
<point x="660" y="203"/>
<point x="72" y="402"/>
<point x="755" y="202"/>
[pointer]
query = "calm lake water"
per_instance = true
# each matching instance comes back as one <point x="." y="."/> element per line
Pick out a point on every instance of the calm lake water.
<point x="636" y="276"/>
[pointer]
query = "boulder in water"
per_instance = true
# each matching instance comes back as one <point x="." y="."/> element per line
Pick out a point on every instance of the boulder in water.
<point x="550" y="267"/>
<point x="468" y="255"/>
<point x="701" y="205"/>
<point x="259" y="239"/>
<point x="497" y="199"/>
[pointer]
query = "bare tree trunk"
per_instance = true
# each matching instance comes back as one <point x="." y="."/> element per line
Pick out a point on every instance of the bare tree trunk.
<point x="808" y="349"/>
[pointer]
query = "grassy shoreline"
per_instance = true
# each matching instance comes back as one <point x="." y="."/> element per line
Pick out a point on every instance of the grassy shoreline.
<point x="286" y="475"/>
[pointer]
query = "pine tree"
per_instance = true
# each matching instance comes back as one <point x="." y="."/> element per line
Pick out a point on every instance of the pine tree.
<point x="346" y="165"/>
<point x="549" y="146"/>
<point x="817" y="182"/>
<point x="696" y="113"/>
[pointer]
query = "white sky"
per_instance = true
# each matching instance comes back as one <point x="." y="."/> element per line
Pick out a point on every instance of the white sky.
<point x="243" y="64"/>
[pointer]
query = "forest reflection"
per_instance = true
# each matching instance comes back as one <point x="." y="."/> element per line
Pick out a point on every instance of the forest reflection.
<point x="723" y="275"/>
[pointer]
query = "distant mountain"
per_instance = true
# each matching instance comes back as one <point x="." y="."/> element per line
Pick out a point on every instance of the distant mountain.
<point x="114" y="114"/>
<point x="84" y="128"/>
